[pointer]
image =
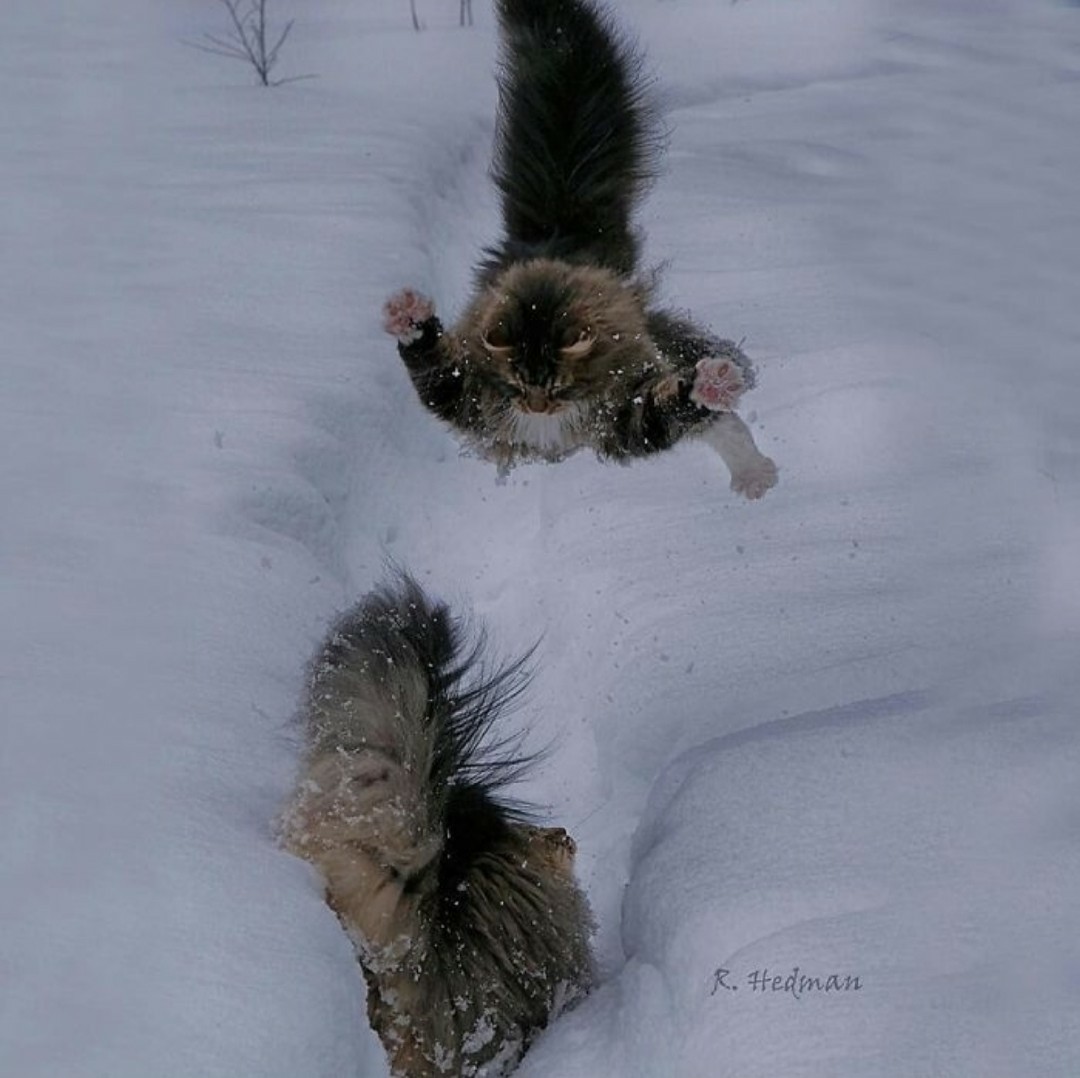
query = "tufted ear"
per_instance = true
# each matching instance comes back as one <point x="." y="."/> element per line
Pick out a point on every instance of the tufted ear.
<point x="580" y="348"/>
<point x="496" y="342"/>
<point x="497" y="351"/>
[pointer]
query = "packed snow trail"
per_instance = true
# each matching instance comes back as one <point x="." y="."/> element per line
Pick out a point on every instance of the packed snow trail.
<point x="889" y="577"/>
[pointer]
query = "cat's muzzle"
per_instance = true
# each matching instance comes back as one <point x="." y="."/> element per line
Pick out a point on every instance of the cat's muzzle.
<point x="538" y="400"/>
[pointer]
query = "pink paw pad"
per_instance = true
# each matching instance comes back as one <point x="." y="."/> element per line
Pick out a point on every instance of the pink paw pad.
<point x="718" y="384"/>
<point x="405" y="312"/>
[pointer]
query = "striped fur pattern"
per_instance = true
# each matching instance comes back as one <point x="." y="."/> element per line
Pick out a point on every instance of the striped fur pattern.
<point x="562" y="324"/>
<point x="467" y="921"/>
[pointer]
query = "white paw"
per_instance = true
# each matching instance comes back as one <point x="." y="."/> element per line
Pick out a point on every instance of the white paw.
<point x="753" y="480"/>
<point x="718" y="384"/>
<point x="404" y="314"/>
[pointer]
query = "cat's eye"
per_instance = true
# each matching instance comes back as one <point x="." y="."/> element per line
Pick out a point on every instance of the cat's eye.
<point x="580" y="348"/>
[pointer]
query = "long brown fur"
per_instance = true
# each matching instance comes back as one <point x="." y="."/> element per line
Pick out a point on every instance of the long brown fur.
<point x="466" y="918"/>
<point x="600" y="314"/>
<point x="561" y="347"/>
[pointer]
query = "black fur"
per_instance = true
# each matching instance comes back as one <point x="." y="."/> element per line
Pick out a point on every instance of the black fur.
<point x="577" y="141"/>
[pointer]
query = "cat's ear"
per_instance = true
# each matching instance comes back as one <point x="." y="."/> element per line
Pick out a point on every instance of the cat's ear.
<point x="581" y="347"/>
<point x="497" y="351"/>
<point x="496" y="342"/>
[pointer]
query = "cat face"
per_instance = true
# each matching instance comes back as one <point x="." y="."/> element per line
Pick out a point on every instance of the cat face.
<point x="536" y="345"/>
<point x="546" y="335"/>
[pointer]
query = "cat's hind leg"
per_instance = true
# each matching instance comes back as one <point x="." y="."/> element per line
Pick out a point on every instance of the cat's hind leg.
<point x="714" y="373"/>
<point x="752" y="473"/>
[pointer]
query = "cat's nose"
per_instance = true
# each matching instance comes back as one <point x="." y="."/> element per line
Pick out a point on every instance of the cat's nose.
<point x="536" y="399"/>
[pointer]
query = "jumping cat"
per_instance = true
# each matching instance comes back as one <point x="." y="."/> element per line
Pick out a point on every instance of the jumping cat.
<point x="560" y="347"/>
<point x="469" y="926"/>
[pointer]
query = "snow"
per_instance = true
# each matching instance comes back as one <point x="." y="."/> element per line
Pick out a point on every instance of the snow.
<point x="832" y="730"/>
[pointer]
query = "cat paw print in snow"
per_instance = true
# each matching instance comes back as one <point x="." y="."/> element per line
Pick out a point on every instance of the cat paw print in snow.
<point x="718" y="384"/>
<point x="404" y="314"/>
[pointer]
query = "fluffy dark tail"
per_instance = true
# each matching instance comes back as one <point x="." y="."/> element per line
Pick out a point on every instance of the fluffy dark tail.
<point x="398" y="687"/>
<point x="576" y="141"/>
<point x="466" y="916"/>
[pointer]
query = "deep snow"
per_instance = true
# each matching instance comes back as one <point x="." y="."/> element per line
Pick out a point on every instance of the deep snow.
<point x="834" y="730"/>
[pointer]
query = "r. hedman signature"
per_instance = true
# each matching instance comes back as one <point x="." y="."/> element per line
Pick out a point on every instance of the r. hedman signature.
<point x="796" y="984"/>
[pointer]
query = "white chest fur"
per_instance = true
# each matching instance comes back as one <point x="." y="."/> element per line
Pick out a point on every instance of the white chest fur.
<point x="552" y="434"/>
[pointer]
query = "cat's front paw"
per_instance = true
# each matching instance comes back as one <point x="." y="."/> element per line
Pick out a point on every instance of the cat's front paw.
<point x="754" y="480"/>
<point x="405" y="313"/>
<point x="718" y="384"/>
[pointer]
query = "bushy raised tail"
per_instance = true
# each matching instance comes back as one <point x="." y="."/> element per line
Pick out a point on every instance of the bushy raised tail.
<point x="576" y="141"/>
<point x="465" y="915"/>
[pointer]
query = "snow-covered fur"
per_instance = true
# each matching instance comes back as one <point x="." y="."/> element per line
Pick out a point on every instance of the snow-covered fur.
<point x="561" y="323"/>
<point x="468" y="923"/>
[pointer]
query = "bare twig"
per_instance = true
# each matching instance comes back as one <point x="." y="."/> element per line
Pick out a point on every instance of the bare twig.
<point x="465" y="17"/>
<point x="415" y="17"/>
<point x="247" y="40"/>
